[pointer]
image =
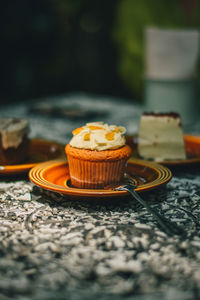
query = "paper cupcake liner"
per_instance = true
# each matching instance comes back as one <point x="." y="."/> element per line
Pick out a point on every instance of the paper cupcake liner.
<point x="93" y="175"/>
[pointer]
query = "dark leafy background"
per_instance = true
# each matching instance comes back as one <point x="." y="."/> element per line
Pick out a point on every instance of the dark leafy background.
<point x="58" y="46"/>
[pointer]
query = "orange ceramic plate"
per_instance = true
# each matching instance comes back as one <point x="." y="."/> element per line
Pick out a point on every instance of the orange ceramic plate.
<point x="54" y="176"/>
<point x="39" y="151"/>
<point x="192" y="146"/>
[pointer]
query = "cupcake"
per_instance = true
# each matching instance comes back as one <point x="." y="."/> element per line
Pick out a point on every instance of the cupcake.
<point x="97" y="155"/>
<point x="14" y="141"/>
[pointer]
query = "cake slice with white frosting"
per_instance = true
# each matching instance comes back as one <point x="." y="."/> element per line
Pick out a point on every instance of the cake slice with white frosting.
<point x="161" y="137"/>
<point x="14" y="141"/>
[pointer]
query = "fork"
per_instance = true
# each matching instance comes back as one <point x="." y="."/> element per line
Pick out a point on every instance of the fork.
<point x="169" y="227"/>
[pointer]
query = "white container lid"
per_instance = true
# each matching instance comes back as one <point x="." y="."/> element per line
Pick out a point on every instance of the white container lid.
<point x="171" y="54"/>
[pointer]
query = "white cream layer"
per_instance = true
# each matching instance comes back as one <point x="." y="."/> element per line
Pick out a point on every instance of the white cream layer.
<point x="98" y="136"/>
<point x="161" y="138"/>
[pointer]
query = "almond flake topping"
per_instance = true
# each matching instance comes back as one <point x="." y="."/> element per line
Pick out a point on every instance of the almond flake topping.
<point x="110" y="136"/>
<point x="116" y="129"/>
<point x="87" y="137"/>
<point x="93" y="127"/>
<point x="77" y="130"/>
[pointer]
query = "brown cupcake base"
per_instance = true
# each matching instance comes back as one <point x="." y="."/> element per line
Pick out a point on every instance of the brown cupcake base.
<point x="96" y="169"/>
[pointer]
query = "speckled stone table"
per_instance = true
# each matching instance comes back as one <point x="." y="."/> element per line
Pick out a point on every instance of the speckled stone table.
<point x="55" y="247"/>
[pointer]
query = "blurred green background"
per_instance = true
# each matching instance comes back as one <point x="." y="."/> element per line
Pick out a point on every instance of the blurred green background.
<point x="51" y="47"/>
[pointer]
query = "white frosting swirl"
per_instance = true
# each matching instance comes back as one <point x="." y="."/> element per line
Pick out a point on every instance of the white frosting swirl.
<point x="98" y="136"/>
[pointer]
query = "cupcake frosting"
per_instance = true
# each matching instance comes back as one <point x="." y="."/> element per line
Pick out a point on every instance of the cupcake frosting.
<point x="98" y="136"/>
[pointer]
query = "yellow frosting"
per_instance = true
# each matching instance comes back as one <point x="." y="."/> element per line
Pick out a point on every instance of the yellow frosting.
<point x="98" y="136"/>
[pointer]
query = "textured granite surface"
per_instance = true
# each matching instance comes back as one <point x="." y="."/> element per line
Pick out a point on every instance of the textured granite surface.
<point x="55" y="247"/>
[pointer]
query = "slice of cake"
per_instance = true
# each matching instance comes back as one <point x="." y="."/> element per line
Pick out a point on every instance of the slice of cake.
<point x="14" y="141"/>
<point x="161" y="137"/>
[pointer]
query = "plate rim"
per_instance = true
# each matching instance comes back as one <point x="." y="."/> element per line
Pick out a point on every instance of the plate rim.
<point x="165" y="173"/>
<point x="171" y="163"/>
<point x="24" y="167"/>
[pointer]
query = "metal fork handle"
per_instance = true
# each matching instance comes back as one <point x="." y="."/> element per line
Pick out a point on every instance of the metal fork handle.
<point x="169" y="227"/>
